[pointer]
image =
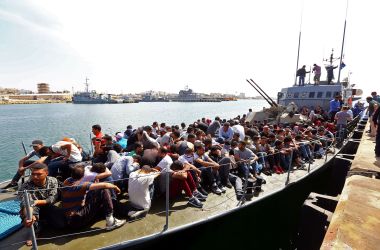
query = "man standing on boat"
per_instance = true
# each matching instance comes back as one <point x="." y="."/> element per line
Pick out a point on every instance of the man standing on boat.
<point x="317" y="74"/>
<point x="330" y="73"/>
<point x="376" y="121"/>
<point x="334" y="107"/>
<point x="301" y="73"/>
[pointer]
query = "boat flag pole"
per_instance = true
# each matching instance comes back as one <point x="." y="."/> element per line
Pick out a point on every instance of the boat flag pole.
<point x="299" y="46"/>
<point x="341" y="52"/>
<point x="273" y="102"/>
<point x="260" y="93"/>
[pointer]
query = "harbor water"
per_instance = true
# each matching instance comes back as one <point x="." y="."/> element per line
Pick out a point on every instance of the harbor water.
<point x="52" y="122"/>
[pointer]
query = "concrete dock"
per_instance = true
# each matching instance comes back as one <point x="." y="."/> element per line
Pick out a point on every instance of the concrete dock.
<point x="356" y="221"/>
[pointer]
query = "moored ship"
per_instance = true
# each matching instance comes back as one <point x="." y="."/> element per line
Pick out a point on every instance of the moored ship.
<point x="91" y="97"/>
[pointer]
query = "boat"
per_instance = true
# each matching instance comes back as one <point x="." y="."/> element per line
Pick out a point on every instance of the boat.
<point x="91" y="97"/>
<point x="188" y="95"/>
<point x="151" y="96"/>
<point x="294" y="98"/>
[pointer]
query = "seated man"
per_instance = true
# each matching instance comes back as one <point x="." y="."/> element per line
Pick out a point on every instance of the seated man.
<point x="225" y="165"/>
<point x="138" y="150"/>
<point x="83" y="201"/>
<point x="187" y="160"/>
<point x="97" y="172"/>
<point x="163" y="166"/>
<point x="43" y="195"/>
<point x="102" y="148"/>
<point x="326" y="138"/>
<point x="182" y="180"/>
<point x="304" y="148"/>
<point x="63" y="154"/>
<point x="226" y="132"/>
<point x="209" y="168"/>
<point x="139" y="190"/>
<point x="246" y="160"/>
<point x="123" y="167"/>
<point x="26" y="163"/>
<point x="121" y="140"/>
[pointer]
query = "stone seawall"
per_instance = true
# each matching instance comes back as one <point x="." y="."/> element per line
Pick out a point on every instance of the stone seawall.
<point x="9" y="102"/>
<point x="356" y="221"/>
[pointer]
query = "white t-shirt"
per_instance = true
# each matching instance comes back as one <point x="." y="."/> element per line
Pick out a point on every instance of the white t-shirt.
<point x="239" y="129"/>
<point x="165" y="163"/>
<point x="75" y="155"/>
<point x="138" y="189"/>
<point x="88" y="175"/>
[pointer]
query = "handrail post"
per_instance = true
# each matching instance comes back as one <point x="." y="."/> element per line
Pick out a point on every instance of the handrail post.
<point x="29" y="216"/>
<point x="23" y="147"/>
<point x="289" y="168"/>
<point x="167" y="200"/>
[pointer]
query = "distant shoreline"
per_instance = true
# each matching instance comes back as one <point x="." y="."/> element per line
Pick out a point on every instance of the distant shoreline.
<point x="11" y="102"/>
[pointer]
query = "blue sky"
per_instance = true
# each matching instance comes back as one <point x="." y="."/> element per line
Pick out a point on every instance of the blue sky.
<point x="212" y="46"/>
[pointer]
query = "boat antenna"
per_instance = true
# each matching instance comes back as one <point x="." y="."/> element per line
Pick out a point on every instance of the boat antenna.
<point x="341" y="52"/>
<point x="86" y="83"/>
<point x="299" y="45"/>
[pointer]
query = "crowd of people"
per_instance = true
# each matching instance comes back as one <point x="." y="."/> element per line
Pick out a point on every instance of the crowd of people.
<point x="201" y="158"/>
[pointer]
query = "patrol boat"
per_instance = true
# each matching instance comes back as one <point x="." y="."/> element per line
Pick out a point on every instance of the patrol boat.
<point x="91" y="97"/>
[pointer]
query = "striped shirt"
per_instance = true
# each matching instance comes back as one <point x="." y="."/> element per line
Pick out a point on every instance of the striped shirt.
<point x="73" y="195"/>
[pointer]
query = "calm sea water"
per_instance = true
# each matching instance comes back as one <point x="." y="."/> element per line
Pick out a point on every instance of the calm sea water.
<point x="52" y="122"/>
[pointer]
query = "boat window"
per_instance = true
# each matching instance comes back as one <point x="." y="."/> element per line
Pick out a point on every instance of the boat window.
<point x="320" y="94"/>
<point x="296" y="94"/>
<point x="328" y="94"/>
<point x="311" y="94"/>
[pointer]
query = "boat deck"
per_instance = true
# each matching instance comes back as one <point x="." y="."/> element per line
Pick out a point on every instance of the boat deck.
<point x="153" y="223"/>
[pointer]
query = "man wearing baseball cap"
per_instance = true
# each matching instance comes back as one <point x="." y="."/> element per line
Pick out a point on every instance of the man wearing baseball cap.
<point x="26" y="163"/>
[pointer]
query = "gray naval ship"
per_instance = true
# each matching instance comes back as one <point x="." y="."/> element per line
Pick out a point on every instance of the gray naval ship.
<point x="91" y="97"/>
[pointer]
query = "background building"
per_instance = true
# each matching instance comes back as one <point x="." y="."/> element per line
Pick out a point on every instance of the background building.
<point x="43" y="88"/>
